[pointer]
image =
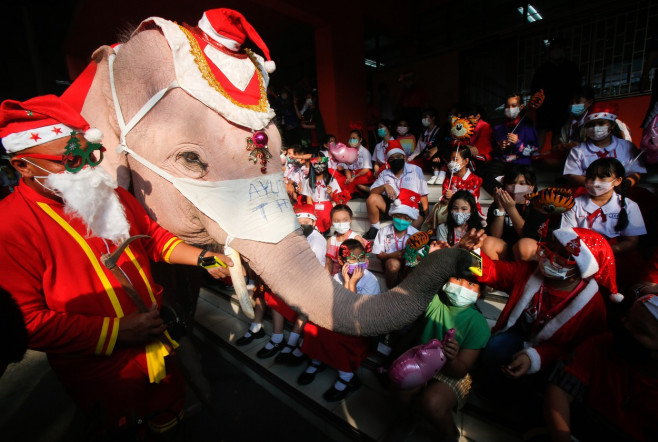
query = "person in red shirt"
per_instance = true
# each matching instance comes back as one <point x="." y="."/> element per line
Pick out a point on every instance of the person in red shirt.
<point x="102" y="332"/>
<point x="480" y="142"/>
<point x="615" y="377"/>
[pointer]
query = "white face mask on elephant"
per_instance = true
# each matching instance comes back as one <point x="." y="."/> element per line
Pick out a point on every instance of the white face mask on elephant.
<point x="241" y="207"/>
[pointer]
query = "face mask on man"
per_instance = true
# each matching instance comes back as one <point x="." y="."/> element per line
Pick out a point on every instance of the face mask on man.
<point x="598" y="133"/>
<point x="556" y="272"/>
<point x="598" y="187"/>
<point x="512" y="112"/>
<point x="402" y="130"/>
<point x="396" y="164"/>
<point x="341" y="228"/>
<point x="401" y="224"/>
<point x="577" y="109"/>
<point x="460" y="217"/>
<point x="458" y="295"/>
<point x="382" y="132"/>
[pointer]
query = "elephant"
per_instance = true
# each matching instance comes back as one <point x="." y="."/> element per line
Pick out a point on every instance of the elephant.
<point x="180" y="136"/>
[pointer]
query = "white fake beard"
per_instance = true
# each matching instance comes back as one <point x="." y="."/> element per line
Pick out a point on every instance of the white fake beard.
<point x="89" y="194"/>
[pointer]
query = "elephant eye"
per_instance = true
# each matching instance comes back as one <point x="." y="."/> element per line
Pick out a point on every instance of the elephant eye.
<point x="192" y="161"/>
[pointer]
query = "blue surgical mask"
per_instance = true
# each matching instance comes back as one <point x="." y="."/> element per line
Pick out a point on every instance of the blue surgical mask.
<point x="401" y="224"/>
<point x="577" y="109"/>
<point x="354" y="142"/>
<point x="381" y="132"/>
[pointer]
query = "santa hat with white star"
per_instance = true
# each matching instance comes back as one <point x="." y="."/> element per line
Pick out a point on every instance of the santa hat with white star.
<point x="40" y="120"/>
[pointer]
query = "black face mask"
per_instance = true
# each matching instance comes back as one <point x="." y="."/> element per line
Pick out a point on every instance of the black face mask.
<point x="307" y="229"/>
<point x="396" y="164"/>
<point x="320" y="169"/>
<point x="630" y="348"/>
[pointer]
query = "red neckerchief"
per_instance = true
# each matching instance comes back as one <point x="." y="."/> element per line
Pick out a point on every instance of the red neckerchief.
<point x="544" y="319"/>
<point x="592" y="217"/>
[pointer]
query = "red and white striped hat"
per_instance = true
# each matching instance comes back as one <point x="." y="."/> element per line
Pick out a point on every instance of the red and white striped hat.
<point x="40" y="120"/>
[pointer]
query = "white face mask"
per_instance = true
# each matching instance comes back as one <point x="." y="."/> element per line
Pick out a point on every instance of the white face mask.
<point x="460" y="217"/>
<point x="518" y="192"/>
<point x="341" y="228"/>
<point x="454" y="166"/>
<point x="512" y="112"/>
<point x="598" y="133"/>
<point x="425" y="122"/>
<point x="256" y="209"/>
<point x="458" y="295"/>
<point x="555" y="272"/>
<point x="598" y="187"/>
<point x="402" y="130"/>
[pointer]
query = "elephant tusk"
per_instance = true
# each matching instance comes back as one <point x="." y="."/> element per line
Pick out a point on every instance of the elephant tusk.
<point x="239" y="284"/>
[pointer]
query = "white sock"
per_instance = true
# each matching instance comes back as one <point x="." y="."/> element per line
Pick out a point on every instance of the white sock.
<point x="436" y="172"/>
<point x="292" y="341"/>
<point x="276" y="338"/>
<point x="312" y="366"/>
<point x="297" y="353"/>
<point x="344" y="376"/>
<point x="255" y="327"/>
<point x="376" y="225"/>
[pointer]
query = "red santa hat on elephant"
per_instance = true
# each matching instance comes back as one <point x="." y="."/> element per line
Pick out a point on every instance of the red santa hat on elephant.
<point x="593" y="257"/>
<point x="41" y="120"/>
<point x="212" y="66"/>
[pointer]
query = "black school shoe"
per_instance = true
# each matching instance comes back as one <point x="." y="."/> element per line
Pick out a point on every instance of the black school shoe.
<point x="371" y="233"/>
<point x="249" y="336"/>
<point x="306" y="378"/>
<point x="289" y="358"/>
<point x="264" y="353"/>
<point x="333" y="395"/>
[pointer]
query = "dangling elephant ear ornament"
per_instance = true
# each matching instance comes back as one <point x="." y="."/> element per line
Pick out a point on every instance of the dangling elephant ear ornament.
<point x="553" y="200"/>
<point x="343" y="153"/>
<point x="461" y="129"/>
<point x="258" y="151"/>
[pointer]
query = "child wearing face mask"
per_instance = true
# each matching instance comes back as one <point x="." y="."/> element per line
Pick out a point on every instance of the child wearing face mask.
<point x="297" y="171"/>
<point x="460" y="177"/>
<point x="379" y="154"/>
<point x="554" y="305"/>
<point x="452" y="308"/>
<point x="342" y="352"/>
<point x="605" y="208"/>
<point x="515" y="142"/>
<point x="319" y="190"/>
<point x="341" y="220"/>
<point x="462" y="217"/>
<point x="391" y="240"/>
<point x="406" y="139"/>
<point x="426" y="141"/>
<point x="513" y="224"/>
<point x="359" y="174"/>
<point x="603" y="142"/>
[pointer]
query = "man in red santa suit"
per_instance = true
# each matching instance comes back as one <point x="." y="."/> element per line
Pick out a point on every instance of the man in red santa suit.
<point x="110" y="354"/>
<point x="554" y="304"/>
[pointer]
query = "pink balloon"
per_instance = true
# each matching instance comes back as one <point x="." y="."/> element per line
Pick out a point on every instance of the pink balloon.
<point x="343" y="153"/>
<point x="419" y="364"/>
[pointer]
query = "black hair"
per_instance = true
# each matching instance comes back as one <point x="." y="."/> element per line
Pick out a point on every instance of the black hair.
<point x="430" y="111"/>
<point x="514" y="95"/>
<point x="299" y="150"/>
<point x="611" y="167"/>
<point x="358" y="132"/>
<point x="586" y="92"/>
<point x="474" y="222"/>
<point x="520" y="169"/>
<point x="463" y="152"/>
<point x="327" y="138"/>
<point x="468" y="109"/>
<point x="339" y="208"/>
<point x="351" y="245"/>
<point x="12" y="327"/>
<point x="386" y="124"/>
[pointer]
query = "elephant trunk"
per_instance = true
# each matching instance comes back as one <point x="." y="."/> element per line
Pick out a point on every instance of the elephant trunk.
<point x="292" y="271"/>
